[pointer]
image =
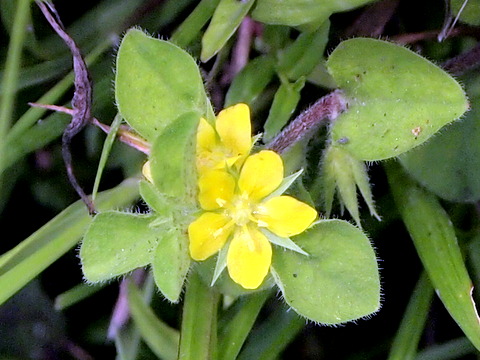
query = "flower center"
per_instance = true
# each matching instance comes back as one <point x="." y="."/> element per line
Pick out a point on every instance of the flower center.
<point x="241" y="209"/>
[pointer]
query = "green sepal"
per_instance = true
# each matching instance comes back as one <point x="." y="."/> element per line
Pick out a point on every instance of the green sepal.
<point x="172" y="160"/>
<point x="283" y="242"/>
<point x="221" y="264"/>
<point x="337" y="282"/>
<point x="117" y="243"/>
<point x="227" y="17"/>
<point x="171" y="262"/>
<point x="285" y="185"/>
<point x="340" y="171"/>
<point x="396" y="99"/>
<point x="156" y="82"/>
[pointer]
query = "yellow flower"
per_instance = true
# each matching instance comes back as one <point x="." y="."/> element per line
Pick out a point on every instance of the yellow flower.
<point x="238" y="211"/>
<point x="228" y="143"/>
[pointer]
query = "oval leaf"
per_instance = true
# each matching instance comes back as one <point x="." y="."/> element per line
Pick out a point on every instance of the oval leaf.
<point x="449" y="163"/>
<point x="338" y="281"/>
<point x="116" y="243"/>
<point x="156" y="82"/>
<point x="397" y="99"/>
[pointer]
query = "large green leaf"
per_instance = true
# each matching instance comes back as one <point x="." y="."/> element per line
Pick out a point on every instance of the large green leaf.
<point x="116" y="243"/>
<point x="396" y="99"/>
<point x="434" y="237"/>
<point x="298" y="12"/>
<point x="337" y="282"/>
<point x="449" y="163"/>
<point x="156" y="82"/>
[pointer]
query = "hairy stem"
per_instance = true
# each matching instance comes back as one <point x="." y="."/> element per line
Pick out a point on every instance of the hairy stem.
<point x="326" y="108"/>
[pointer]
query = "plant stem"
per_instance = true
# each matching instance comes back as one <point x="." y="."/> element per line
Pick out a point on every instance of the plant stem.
<point x="199" y="324"/>
<point x="326" y="108"/>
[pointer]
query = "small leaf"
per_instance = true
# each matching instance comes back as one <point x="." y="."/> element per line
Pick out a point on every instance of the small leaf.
<point x="434" y="237"/>
<point x="337" y="282"/>
<point x="284" y="104"/>
<point x="300" y="58"/>
<point x="298" y="12"/>
<point x="171" y="263"/>
<point x="172" y="159"/>
<point x="226" y="18"/>
<point x="251" y="81"/>
<point x="396" y="99"/>
<point x="193" y="24"/>
<point x="116" y="243"/>
<point x="156" y="82"/>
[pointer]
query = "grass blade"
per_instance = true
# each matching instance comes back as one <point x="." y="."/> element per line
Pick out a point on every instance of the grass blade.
<point x="411" y="328"/>
<point x="434" y="237"/>
<point x="54" y="239"/>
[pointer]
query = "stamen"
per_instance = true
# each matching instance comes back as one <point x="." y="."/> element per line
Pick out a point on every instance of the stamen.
<point x="218" y="232"/>
<point x="248" y="238"/>
<point x="261" y="223"/>
<point x="221" y="202"/>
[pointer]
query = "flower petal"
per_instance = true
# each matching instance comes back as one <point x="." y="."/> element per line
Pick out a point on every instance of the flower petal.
<point x="234" y="128"/>
<point x="249" y="258"/>
<point x="216" y="188"/>
<point x="285" y="216"/>
<point x="208" y="234"/>
<point x="261" y="174"/>
<point x="206" y="137"/>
